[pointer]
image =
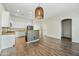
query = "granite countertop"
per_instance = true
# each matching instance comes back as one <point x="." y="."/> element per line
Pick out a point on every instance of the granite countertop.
<point x="8" y="33"/>
<point x="11" y="31"/>
<point x="20" y="30"/>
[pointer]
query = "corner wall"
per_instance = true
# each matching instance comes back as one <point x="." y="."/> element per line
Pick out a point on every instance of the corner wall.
<point x="54" y="25"/>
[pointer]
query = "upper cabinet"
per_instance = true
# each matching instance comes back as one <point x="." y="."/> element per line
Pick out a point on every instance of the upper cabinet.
<point x="5" y="19"/>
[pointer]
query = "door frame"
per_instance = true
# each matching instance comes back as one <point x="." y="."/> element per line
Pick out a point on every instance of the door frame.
<point x="66" y="19"/>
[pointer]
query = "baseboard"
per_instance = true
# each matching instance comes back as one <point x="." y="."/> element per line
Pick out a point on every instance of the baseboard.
<point x="66" y="37"/>
<point x="60" y="38"/>
<point x="75" y="41"/>
<point x="52" y="36"/>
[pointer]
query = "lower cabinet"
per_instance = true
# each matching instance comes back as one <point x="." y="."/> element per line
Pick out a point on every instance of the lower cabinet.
<point x="0" y="42"/>
<point x="7" y="41"/>
<point x="19" y="34"/>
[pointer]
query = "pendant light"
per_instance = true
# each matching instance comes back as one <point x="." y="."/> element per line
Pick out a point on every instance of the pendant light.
<point x="39" y="13"/>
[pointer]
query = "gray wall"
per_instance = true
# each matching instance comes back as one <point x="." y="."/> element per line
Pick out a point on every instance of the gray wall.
<point x="53" y="25"/>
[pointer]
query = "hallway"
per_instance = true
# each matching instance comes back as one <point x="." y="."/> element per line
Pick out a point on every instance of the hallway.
<point x="45" y="47"/>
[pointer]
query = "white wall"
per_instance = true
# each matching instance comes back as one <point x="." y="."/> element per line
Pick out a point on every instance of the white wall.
<point x="54" y="25"/>
<point x="53" y="29"/>
<point x="44" y="29"/>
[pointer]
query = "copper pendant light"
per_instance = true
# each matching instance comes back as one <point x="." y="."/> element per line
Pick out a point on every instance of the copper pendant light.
<point x="39" y="13"/>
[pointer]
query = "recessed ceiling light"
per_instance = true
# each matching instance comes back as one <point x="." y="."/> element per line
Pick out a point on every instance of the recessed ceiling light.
<point x="18" y="10"/>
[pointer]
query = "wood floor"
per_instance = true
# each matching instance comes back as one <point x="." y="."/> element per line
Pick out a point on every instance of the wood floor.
<point x="45" y="47"/>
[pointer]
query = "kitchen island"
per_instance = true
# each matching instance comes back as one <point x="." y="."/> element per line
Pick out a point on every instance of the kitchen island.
<point x="7" y="39"/>
<point x="32" y="35"/>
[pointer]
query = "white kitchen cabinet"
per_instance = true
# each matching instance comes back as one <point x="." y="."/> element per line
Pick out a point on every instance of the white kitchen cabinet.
<point x="19" y="34"/>
<point x="7" y="41"/>
<point x="5" y="19"/>
<point x="0" y="42"/>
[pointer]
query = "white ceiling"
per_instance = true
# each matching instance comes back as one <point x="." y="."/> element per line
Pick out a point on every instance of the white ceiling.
<point x="50" y="9"/>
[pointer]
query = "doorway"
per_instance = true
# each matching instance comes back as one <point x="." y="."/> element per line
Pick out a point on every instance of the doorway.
<point x="66" y="26"/>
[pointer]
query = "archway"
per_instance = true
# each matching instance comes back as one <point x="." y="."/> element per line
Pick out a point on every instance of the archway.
<point x="66" y="26"/>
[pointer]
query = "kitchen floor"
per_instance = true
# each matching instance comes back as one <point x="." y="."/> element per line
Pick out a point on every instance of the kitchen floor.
<point x="45" y="47"/>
